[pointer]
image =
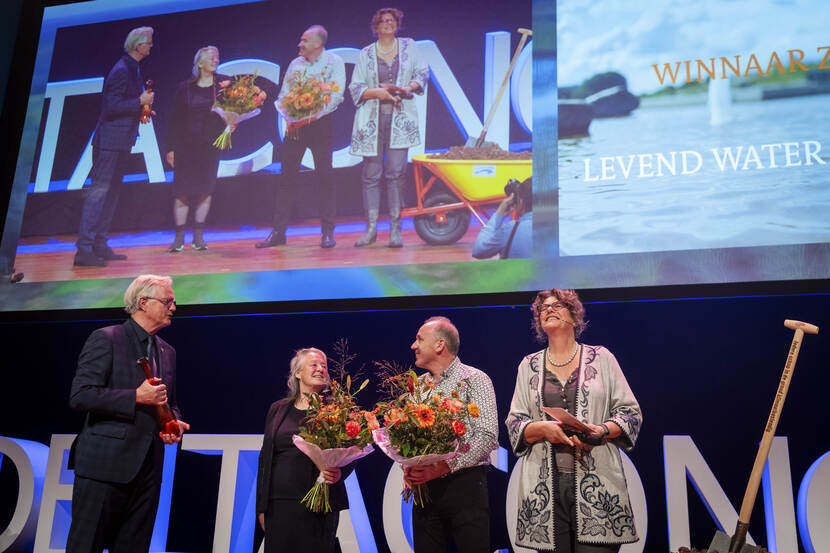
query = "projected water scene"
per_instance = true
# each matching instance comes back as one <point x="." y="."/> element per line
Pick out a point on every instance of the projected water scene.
<point x="710" y="130"/>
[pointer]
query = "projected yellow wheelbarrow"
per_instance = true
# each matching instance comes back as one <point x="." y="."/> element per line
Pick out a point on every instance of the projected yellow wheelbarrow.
<point x="442" y="216"/>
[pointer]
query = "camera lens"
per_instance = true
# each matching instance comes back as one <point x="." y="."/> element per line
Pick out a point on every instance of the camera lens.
<point x="512" y="187"/>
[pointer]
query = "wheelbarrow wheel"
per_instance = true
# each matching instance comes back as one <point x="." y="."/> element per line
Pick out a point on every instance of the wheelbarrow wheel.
<point x="437" y="233"/>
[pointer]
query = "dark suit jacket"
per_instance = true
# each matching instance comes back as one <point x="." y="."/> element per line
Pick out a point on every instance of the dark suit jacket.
<point x="337" y="492"/>
<point x="120" y="107"/>
<point x="117" y="432"/>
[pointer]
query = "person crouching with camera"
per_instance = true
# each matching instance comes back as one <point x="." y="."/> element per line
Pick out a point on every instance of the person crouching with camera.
<point x="503" y="235"/>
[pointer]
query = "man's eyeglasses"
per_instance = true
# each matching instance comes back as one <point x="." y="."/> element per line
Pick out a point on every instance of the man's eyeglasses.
<point x="545" y="307"/>
<point x="167" y="303"/>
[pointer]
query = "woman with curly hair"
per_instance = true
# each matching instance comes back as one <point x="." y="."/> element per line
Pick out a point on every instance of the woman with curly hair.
<point x="572" y="495"/>
<point x="387" y="74"/>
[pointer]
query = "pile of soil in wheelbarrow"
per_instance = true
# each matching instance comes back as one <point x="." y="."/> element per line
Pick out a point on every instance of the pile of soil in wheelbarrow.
<point x="488" y="150"/>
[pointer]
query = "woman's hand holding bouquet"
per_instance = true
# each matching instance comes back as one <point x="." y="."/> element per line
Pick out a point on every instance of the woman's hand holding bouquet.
<point x="335" y="432"/>
<point x="235" y="102"/>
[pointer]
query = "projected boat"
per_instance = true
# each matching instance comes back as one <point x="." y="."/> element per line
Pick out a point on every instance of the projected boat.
<point x="603" y="95"/>
<point x="442" y="214"/>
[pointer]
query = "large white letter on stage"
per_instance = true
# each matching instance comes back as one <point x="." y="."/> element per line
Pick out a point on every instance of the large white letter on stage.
<point x="29" y="458"/>
<point x="146" y="143"/>
<point x="521" y="88"/>
<point x="56" y="505"/>
<point x="496" y="62"/>
<point x="779" y="506"/>
<point x="682" y="458"/>
<point x="354" y="531"/>
<point x="57" y="93"/>
<point x="55" y="514"/>
<point x="236" y="506"/>
<point x="397" y="515"/>
<point x="814" y="506"/>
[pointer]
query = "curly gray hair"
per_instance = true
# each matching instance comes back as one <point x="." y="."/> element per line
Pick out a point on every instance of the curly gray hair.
<point x="571" y="301"/>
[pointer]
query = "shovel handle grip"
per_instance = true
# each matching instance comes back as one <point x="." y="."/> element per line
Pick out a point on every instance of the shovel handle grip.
<point x="807" y="328"/>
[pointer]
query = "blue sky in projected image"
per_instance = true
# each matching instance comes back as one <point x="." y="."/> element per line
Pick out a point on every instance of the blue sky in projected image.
<point x="598" y="36"/>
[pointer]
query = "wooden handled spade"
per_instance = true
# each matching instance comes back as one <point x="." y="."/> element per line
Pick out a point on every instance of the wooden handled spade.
<point x="737" y="542"/>
<point x="477" y="144"/>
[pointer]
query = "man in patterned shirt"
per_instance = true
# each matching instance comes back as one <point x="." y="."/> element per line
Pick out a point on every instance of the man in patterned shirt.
<point x="314" y="133"/>
<point x="459" y="507"/>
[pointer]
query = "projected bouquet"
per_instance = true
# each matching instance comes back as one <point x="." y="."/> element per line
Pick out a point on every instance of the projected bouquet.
<point x="421" y="426"/>
<point x="336" y="430"/>
<point x="306" y="97"/>
<point x="236" y="101"/>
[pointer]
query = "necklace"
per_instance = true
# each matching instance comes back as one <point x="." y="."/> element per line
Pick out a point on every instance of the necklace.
<point x="571" y="358"/>
<point x="390" y="50"/>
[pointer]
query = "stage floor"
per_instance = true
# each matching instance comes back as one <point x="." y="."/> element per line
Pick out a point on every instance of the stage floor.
<point x="45" y="259"/>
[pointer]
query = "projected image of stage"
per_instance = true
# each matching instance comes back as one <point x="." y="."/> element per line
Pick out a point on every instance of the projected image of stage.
<point x="464" y="57"/>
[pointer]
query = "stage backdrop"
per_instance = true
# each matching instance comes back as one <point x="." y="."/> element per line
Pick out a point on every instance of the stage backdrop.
<point x="704" y="370"/>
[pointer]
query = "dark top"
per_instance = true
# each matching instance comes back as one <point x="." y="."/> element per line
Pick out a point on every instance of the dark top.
<point x="276" y="414"/>
<point x="555" y="395"/>
<point x="292" y="472"/>
<point x="117" y="125"/>
<point x="117" y="433"/>
<point x="192" y="122"/>
<point x="387" y="74"/>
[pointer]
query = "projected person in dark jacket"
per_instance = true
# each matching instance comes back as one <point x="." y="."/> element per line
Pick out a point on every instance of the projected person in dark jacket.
<point x="118" y="455"/>
<point x="115" y="135"/>
<point x="504" y="236"/>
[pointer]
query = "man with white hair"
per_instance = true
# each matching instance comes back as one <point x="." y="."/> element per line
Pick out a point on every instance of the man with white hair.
<point x="119" y="453"/>
<point x="115" y="134"/>
<point x="314" y="133"/>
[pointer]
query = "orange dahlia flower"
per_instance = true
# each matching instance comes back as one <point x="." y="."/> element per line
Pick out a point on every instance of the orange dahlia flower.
<point x="425" y="415"/>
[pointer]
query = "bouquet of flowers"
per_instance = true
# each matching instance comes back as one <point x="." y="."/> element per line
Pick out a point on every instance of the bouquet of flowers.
<point x="421" y="426"/>
<point x="336" y="431"/>
<point x="242" y="97"/>
<point x="306" y="97"/>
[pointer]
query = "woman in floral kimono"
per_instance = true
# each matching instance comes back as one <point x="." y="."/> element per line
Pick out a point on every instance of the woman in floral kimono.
<point x="572" y="496"/>
<point x="385" y="76"/>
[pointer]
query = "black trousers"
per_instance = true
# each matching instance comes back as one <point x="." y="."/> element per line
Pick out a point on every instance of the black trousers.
<point x="564" y="520"/>
<point x="316" y="136"/>
<point x="118" y="517"/>
<point x="290" y="527"/>
<point x="459" y="510"/>
<point x="108" y="167"/>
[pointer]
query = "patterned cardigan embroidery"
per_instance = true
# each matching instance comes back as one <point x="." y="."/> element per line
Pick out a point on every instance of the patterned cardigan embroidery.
<point x="405" y="132"/>
<point x="604" y="512"/>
